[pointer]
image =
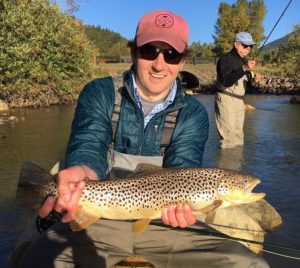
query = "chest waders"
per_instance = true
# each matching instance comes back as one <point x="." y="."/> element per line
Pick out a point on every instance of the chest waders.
<point x="230" y="114"/>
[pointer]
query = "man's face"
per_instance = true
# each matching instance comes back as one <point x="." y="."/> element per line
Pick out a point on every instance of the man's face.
<point x="242" y="49"/>
<point x="154" y="75"/>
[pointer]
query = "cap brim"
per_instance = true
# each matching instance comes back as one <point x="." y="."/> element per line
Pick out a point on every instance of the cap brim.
<point x="248" y="43"/>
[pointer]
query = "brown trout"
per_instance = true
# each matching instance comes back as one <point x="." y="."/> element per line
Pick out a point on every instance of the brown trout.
<point x="143" y="196"/>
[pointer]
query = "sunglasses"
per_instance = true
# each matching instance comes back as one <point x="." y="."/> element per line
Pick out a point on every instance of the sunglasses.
<point x="246" y="46"/>
<point x="171" y="56"/>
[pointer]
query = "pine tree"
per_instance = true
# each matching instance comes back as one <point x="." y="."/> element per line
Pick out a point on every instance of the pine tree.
<point x="242" y="16"/>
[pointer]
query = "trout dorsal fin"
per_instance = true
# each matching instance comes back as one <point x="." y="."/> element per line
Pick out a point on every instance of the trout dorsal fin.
<point x="140" y="225"/>
<point x="144" y="169"/>
<point x="86" y="214"/>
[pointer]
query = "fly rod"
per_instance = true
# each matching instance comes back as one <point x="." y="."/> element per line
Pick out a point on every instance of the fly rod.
<point x="222" y="235"/>
<point x="273" y="28"/>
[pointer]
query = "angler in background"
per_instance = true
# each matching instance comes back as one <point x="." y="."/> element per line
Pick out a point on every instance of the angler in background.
<point x="234" y="73"/>
<point x="147" y="100"/>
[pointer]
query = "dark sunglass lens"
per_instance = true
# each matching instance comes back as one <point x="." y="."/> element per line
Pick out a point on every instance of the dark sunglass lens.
<point x="149" y="52"/>
<point x="246" y="46"/>
<point x="172" y="56"/>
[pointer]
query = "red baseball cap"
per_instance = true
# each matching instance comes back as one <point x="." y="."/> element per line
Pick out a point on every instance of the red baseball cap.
<point x="165" y="26"/>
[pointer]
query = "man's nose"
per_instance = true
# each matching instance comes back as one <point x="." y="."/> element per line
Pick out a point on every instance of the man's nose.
<point x="159" y="62"/>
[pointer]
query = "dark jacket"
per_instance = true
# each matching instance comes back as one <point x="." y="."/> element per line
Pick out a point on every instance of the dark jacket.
<point x="91" y="132"/>
<point x="229" y="68"/>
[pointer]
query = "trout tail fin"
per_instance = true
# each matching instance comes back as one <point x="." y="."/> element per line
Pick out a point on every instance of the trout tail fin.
<point x="34" y="185"/>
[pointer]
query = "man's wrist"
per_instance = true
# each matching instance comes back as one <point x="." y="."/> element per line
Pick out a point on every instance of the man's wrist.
<point x="88" y="172"/>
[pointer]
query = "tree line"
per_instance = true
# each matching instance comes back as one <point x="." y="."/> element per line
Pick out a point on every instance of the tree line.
<point x="44" y="48"/>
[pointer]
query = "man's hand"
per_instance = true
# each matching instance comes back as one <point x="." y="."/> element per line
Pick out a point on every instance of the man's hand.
<point x="257" y="77"/>
<point x="179" y="215"/>
<point x="250" y="65"/>
<point x="70" y="186"/>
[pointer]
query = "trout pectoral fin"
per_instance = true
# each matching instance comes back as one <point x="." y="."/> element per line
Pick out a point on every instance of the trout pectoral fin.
<point x="212" y="207"/>
<point x="210" y="217"/>
<point x="210" y="210"/>
<point x="140" y="225"/>
<point x="86" y="214"/>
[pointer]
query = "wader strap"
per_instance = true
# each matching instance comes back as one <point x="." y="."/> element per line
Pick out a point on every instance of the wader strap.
<point x="169" y="126"/>
<point x="118" y="85"/>
<point x="231" y="94"/>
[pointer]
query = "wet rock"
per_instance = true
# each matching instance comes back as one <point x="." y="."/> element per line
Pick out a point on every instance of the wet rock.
<point x="12" y="118"/>
<point x="295" y="99"/>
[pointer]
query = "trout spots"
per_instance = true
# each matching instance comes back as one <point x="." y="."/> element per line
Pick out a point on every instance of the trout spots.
<point x="149" y="193"/>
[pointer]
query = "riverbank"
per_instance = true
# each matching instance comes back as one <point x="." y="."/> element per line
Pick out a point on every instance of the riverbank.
<point x="206" y="73"/>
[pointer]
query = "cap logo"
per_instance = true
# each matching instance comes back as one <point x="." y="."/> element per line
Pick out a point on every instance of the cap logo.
<point x="164" y="21"/>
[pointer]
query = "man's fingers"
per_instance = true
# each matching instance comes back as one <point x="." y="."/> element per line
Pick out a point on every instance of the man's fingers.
<point x="172" y="216"/>
<point x="188" y="215"/>
<point x="63" y="186"/>
<point x="164" y="216"/>
<point x="73" y="204"/>
<point x="47" y="206"/>
<point x="181" y="221"/>
<point x="70" y="188"/>
<point x="184" y="216"/>
<point x="179" y="215"/>
<point x="59" y="207"/>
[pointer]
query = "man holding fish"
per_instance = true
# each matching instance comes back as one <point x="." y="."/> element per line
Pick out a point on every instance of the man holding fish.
<point x="147" y="101"/>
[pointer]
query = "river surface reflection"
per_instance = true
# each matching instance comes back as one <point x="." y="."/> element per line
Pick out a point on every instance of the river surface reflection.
<point x="271" y="152"/>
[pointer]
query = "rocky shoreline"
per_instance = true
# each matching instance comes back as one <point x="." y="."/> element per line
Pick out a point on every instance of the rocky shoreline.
<point x="269" y="85"/>
<point x="277" y="85"/>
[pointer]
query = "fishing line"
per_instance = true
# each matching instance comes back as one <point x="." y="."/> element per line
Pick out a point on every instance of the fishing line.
<point x="224" y="236"/>
<point x="273" y="29"/>
<point x="281" y="255"/>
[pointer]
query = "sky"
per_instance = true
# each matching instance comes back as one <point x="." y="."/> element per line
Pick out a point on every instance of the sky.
<point x="122" y="16"/>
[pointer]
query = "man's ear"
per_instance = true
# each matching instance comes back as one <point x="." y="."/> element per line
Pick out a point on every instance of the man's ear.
<point x="235" y="44"/>
<point x="182" y="64"/>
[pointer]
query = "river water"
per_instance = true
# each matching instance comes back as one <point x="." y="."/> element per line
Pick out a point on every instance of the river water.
<point x="271" y="152"/>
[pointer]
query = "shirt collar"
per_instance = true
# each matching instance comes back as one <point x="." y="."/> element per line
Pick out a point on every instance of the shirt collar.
<point x="169" y="99"/>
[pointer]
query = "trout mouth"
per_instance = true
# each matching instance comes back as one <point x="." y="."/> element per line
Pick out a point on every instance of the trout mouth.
<point x="252" y="197"/>
<point x="251" y="185"/>
<point x="243" y="195"/>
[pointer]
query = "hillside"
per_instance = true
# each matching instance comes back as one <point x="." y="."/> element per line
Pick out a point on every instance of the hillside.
<point x="104" y="39"/>
<point x="275" y="44"/>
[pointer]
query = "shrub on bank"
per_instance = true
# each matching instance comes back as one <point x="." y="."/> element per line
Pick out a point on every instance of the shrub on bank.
<point x="42" y="50"/>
